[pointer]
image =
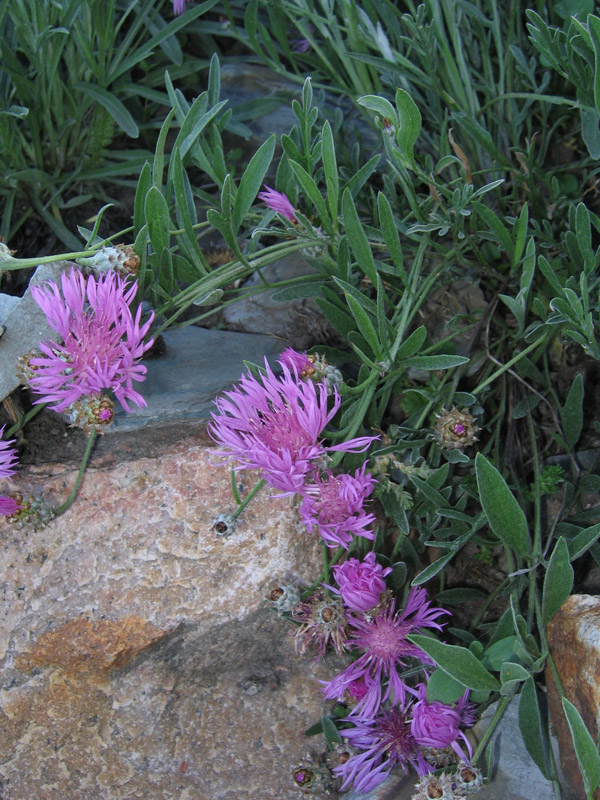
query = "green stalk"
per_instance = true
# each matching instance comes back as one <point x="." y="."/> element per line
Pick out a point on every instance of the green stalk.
<point x="246" y="500"/>
<point x="69" y="501"/>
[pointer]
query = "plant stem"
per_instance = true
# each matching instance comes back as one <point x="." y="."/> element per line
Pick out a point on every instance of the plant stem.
<point x="69" y="501"/>
<point x="246" y="500"/>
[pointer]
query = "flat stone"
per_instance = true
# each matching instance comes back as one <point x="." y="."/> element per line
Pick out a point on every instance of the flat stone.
<point x="137" y="659"/>
<point x="182" y="384"/>
<point x="574" y="639"/>
<point x="296" y="322"/>
<point x="7" y="303"/>
<point x="25" y="326"/>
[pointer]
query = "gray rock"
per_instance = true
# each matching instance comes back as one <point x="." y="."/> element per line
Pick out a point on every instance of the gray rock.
<point x="292" y="322"/>
<point x="514" y="774"/>
<point x="181" y="385"/>
<point x="7" y="303"/>
<point x="25" y="326"/>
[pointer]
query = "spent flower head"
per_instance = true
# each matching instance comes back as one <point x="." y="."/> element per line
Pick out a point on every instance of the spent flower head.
<point x="385" y="650"/>
<point x="333" y="504"/>
<point x="102" y="342"/>
<point x="361" y="583"/>
<point x="273" y="424"/>
<point x="322" y="622"/>
<point x="278" y="201"/>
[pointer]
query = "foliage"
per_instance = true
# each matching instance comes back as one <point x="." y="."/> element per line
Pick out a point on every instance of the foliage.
<point x="481" y="173"/>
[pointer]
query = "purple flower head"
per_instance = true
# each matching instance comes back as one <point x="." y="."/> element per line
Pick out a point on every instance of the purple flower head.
<point x="273" y="424"/>
<point x="384" y="743"/>
<point x="302" y="45"/>
<point x="279" y="202"/>
<point x="8" y="457"/>
<point x="385" y="649"/>
<point x="334" y="505"/>
<point x="361" y="582"/>
<point x="103" y="342"/>
<point x="437" y="725"/>
<point x="8" y="506"/>
<point x="297" y="362"/>
<point x="179" y="6"/>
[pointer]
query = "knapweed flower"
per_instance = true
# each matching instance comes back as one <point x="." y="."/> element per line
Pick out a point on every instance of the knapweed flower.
<point x="279" y="202"/>
<point x="9" y="506"/>
<point x="385" y="649"/>
<point x="455" y="430"/>
<point x="8" y="457"/>
<point x="301" y="363"/>
<point x="283" y="597"/>
<point x="333" y="504"/>
<point x="384" y="742"/>
<point x="437" y="725"/>
<point x="302" y="45"/>
<point x="322" y="622"/>
<point x="314" y="367"/>
<point x="361" y="582"/>
<point x="103" y="342"/>
<point x="273" y="424"/>
<point x="179" y="6"/>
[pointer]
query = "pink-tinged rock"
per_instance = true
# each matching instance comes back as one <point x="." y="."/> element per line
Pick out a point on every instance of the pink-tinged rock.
<point x="137" y="659"/>
<point x="574" y="639"/>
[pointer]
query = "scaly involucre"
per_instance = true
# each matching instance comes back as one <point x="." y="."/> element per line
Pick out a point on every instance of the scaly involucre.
<point x="102" y="342"/>
<point x="273" y="424"/>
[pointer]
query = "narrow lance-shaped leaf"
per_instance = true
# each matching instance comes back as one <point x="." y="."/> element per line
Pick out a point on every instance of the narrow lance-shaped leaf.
<point x="157" y="218"/>
<point x="533" y="729"/>
<point x="251" y="180"/>
<point x="572" y="413"/>
<point x="505" y="515"/>
<point x="558" y="581"/>
<point x="357" y="237"/>
<point x="585" y="748"/>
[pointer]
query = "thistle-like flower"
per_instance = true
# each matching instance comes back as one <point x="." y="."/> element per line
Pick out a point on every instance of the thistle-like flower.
<point x="437" y="725"/>
<point x="273" y="424"/>
<point x="103" y="342"/>
<point x="385" y="649"/>
<point x="361" y="582"/>
<point x="179" y="6"/>
<point x="383" y="743"/>
<point x="8" y="457"/>
<point x="279" y="202"/>
<point x="333" y="504"/>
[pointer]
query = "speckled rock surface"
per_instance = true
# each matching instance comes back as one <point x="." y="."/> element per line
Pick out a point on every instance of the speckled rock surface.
<point x="137" y="659"/>
<point x="574" y="639"/>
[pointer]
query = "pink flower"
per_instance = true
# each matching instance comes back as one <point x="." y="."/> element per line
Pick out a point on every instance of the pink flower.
<point x="8" y="457"/>
<point x="334" y="505"/>
<point x="279" y="202"/>
<point x="385" y="649"/>
<point x="361" y="582"/>
<point x="103" y="343"/>
<point x="273" y="424"/>
<point x="437" y="725"/>
<point x="384" y="742"/>
<point x="8" y="506"/>
<point x="297" y="362"/>
<point x="179" y="6"/>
